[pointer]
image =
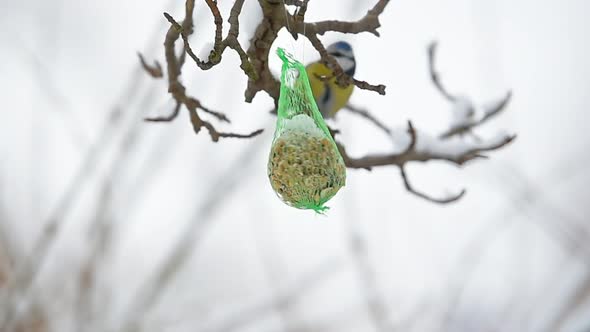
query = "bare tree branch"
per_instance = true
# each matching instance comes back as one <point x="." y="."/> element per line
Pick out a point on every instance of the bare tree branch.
<point x="167" y="118"/>
<point x="341" y="78"/>
<point x="258" y="51"/>
<point x="176" y="89"/>
<point x="368" y="23"/>
<point x="220" y="44"/>
<point x="416" y="155"/>
<point x="490" y="112"/>
<point x="300" y="14"/>
<point x="154" y="70"/>
<point x="298" y="3"/>
<point x="254" y="63"/>
<point x="468" y="122"/>
<point x="220" y="116"/>
<point x="464" y="122"/>
<point x="411" y="189"/>
<point x="434" y="76"/>
<point x="275" y="18"/>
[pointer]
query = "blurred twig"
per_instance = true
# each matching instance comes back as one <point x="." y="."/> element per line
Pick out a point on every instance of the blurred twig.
<point x="376" y="302"/>
<point x="139" y="182"/>
<point x="157" y="284"/>
<point x="489" y="112"/>
<point x="466" y="264"/>
<point x="8" y="250"/>
<point x="289" y="293"/>
<point x="414" y="191"/>
<point x="100" y="228"/>
<point x="434" y="75"/>
<point x="47" y="85"/>
<point x="422" y="148"/>
<point x="268" y="251"/>
<point x="468" y="121"/>
<point x="367" y="115"/>
<point x="154" y="70"/>
<point x="567" y="230"/>
<point x="28" y="268"/>
<point x="572" y="304"/>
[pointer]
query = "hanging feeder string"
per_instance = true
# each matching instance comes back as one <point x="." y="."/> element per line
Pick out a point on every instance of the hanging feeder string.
<point x="289" y="29"/>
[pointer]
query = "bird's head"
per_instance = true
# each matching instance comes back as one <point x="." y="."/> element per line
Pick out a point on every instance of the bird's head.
<point x="342" y="52"/>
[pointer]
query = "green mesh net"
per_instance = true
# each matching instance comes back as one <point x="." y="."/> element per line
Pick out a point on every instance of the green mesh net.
<point x="305" y="167"/>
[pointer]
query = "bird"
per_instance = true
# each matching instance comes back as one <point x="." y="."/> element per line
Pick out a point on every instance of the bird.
<point x="329" y="96"/>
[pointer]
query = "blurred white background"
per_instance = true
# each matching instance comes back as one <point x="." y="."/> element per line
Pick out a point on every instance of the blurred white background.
<point x="512" y="255"/>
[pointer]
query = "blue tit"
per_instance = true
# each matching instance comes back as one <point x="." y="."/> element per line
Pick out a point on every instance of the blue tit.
<point x="329" y="96"/>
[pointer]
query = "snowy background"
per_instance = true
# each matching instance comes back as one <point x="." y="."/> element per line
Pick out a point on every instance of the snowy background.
<point x="512" y="255"/>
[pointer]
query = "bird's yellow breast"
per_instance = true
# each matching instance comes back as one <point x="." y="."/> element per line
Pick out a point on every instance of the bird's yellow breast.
<point x="329" y="96"/>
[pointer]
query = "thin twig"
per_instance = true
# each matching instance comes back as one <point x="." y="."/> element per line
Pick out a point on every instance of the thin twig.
<point x="220" y="44"/>
<point x="490" y="113"/>
<point x="367" y="115"/>
<point x="255" y="61"/>
<point x="267" y="248"/>
<point x="341" y="77"/>
<point x="526" y="196"/>
<point x="204" y="65"/>
<point x="434" y="76"/>
<point x="375" y="301"/>
<point x="398" y="159"/>
<point x="154" y="70"/>
<point x="177" y="89"/>
<point x="579" y="296"/>
<point x="368" y="23"/>
<point x="379" y="88"/>
<point x="410" y="188"/>
<point x="29" y="267"/>
<point x="168" y="118"/>
<point x="290" y="293"/>
<point x="196" y="228"/>
<point x="220" y="116"/>
<point x="412" y="154"/>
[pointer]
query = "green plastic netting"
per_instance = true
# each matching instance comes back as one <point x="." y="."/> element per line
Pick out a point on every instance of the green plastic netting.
<point x="305" y="167"/>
